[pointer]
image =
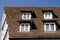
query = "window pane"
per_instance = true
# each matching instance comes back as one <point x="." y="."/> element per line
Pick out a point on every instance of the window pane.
<point x="24" y="16"/>
<point x="22" y="28"/>
<point x="48" y="15"/>
<point x="22" y="24"/>
<point x="28" y="16"/>
<point x="26" y="27"/>
<point x="52" y="26"/>
<point x="47" y="26"/>
<point x="26" y="24"/>
<point x="24" y="13"/>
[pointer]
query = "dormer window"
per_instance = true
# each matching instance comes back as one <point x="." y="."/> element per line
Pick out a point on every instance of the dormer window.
<point x="24" y="27"/>
<point x="47" y="15"/>
<point x="26" y="16"/>
<point x="49" y="27"/>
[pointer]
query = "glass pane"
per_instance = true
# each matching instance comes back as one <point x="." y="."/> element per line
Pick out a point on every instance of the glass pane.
<point x="47" y="26"/>
<point x="28" y="15"/>
<point x="49" y="15"/>
<point x="26" y="27"/>
<point x="52" y="26"/>
<point x="46" y="15"/>
<point x="26" y="24"/>
<point x="22" y="24"/>
<point x="24" y="16"/>
<point x="22" y="27"/>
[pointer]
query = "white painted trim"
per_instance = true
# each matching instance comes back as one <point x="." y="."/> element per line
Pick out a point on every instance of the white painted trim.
<point x="48" y="16"/>
<point x="5" y="27"/>
<point x="24" y="27"/>
<point x="3" y="19"/>
<point x="7" y="36"/>
<point x="26" y="16"/>
<point x="49" y="27"/>
<point x="4" y="30"/>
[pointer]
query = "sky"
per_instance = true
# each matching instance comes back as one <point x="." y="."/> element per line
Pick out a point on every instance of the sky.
<point x="26" y="3"/>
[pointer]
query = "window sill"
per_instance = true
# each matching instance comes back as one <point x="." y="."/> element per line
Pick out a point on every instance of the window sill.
<point x="49" y="31"/>
<point x="23" y="32"/>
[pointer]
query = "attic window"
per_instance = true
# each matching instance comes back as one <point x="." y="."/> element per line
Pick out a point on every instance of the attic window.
<point x="24" y="27"/>
<point x="26" y="16"/>
<point x="47" y="15"/>
<point x="49" y="27"/>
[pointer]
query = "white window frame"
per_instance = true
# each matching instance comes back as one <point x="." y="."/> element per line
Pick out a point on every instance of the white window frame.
<point x="24" y="27"/>
<point x="26" y="16"/>
<point x="49" y="27"/>
<point x="47" y="16"/>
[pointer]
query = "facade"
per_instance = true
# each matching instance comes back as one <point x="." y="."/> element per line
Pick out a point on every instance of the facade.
<point x="4" y="34"/>
<point x="33" y="22"/>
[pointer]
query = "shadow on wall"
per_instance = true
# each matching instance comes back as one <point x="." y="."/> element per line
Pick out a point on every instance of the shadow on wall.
<point x="33" y="25"/>
<point x="58" y="26"/>
<point x="33" y="15"/>
<point x="54" y="15"/>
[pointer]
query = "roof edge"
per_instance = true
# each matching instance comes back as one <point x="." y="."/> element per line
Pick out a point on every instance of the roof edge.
<point x="31" y="6"/>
